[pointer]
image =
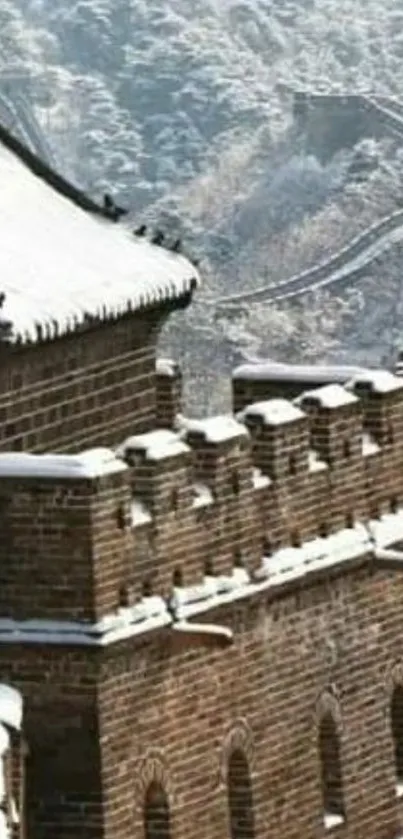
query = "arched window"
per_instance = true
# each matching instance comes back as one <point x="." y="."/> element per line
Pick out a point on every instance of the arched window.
<point x="156" y="813"/>
<point x="397" y="733"/>
<point x="332" y="782"/>
<point x="240" y="800"/>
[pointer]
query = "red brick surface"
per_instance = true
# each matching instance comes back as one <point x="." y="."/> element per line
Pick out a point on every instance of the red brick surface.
<point x="167" y="734"/>
<point x="176" y="715"/>
<point x="90" y="388"/>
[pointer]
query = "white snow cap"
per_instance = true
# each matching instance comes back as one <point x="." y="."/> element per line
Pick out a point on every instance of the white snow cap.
<point x="92" y="463"/>
<point x="10" y="706"/>
<point x="4" y="745"/>
<point x="376" y="381"/>
<point x="273" y="412"/>
<point x="58" y="261"/>
<point x="216" y="429"/>
<point x="156" y="445"/>
<point x="140" y="514"/>
<point x="388" y="530"/>
<point x="277" y="371"/>
<point x="203" y="495"/>
<point x="329" y="396"/>
<point x="166" y="367"/>
<point x="5" y="832"/>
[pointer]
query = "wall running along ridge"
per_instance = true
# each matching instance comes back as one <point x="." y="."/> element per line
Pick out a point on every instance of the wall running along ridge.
<point x="376" y="115"/>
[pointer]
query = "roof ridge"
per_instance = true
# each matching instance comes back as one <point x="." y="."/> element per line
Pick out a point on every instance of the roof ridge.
<point x="51" y="177"/>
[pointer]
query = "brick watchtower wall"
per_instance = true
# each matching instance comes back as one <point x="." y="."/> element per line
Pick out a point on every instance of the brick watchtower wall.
<point x="65" y="558"/>
<point x="92" y="386"/>
<point x="275" y="534"/>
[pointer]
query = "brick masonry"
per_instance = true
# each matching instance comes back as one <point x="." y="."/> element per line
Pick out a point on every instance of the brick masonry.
<point x="103" y="729"/>
<point x="85" y="388"/>
<point x="164" y="734"/>
<point x="176" y="716"/>
<point x="63" y="758"/>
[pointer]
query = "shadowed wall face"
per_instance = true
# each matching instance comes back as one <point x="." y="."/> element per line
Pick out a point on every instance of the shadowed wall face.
<point x="156" y="813"/>
<point x="397" y="731"/>
<point x="240" y="800"/>
<point x="332" y="785"/>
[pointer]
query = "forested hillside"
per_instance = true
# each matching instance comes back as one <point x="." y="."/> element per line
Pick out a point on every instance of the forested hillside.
<point x="183" y="110"/>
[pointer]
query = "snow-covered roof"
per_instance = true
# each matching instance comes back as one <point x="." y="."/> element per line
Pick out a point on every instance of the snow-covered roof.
<point x="273" y="412"/>
<point x="58" y="262"/>
<point x="329" y="396"/>
<point x="89" y="464"/>
<point x="156" y="445"/>
<point x="376" y="381"/>
<point x="317" y="374"/>
<point x="216" y="429"/>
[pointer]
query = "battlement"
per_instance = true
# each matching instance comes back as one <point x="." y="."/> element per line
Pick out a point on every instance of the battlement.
<point x="105" y="540"/>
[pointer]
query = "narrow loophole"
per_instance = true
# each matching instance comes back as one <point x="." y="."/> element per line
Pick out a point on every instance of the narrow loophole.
<point x="178" y="578"/>
<point x="349" y="520"/>
<point x="208" y="568"/>
<point x="292" y="464"/>
<point x="324" y="530"/>
<point x="295" y="539"/>
<point x="346" y="449"/>
<point x="394" y="504"/>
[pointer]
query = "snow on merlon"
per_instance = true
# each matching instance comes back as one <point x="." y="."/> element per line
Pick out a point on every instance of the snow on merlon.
<point x="329" y="396"/>
<point x="166" y="367"/>
<point x="272" y="412"/>
<point x="276" y="371"/>
<point x="4" y="745"/>
<point x="216" y="429"/>
<point x="375" y="381"/>
<point x="140" y="514"/>
<point x="57" y="261"/>
<point x="88" y="464"/>
<point x="10" y="706"/>
<point x="155" y="445"/>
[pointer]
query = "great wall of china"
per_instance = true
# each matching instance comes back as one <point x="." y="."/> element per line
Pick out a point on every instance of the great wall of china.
<point x="350" y="262"/>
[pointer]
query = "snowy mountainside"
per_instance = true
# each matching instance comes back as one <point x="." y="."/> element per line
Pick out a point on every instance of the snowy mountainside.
<point x="184" y="111"/>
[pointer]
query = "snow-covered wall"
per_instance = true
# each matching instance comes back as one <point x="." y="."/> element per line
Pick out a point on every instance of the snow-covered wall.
<point x="205" y="497"/>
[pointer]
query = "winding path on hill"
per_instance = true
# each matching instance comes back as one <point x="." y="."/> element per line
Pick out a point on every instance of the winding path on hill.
<point x="351" y="261"/>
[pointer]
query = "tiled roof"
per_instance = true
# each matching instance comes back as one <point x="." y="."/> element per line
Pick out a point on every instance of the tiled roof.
<point x="61" y="256"/>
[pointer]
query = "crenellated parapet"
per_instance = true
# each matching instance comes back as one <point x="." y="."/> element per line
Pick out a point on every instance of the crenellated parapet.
<point x="100" y="543"/>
